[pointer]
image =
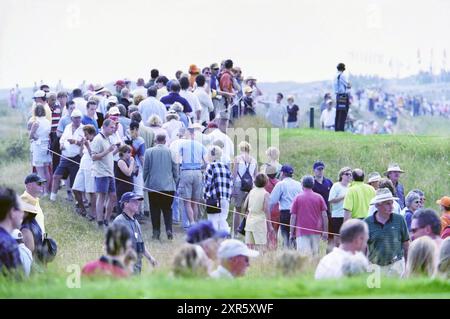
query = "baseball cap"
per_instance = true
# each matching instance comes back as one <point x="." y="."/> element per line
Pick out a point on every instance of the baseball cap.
<point x="202" y="231"/>
<point x="119" y="83"/>
<point x="34" y="178"/>
<point x="129" y="196"/>
<point x="214" y="66"/>
<point x="444" y="201"/>
<point x="39" y="93"/>
<point x="318" y="164"/>
<point x="233" y="247"/>
<point x="76" y="113"/>
<point x="287" y="169"/>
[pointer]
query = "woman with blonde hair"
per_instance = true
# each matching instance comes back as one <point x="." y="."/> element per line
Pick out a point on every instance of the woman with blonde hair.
<point x="245" y="168"/>
<point x="40" y="143"/>
<point x="191" y="261"/>
<point x="421" y="257"/>
<point x="273" y="157"/>
<point x="155" y="124"/>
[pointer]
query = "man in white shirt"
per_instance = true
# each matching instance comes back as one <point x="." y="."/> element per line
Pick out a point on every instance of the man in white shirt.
<point x="80" y="102"/>
<point x="348" y="258"/>
<point x="140" y="89"/>
<point x="216" y="134"/>
<point x="204" y="98"/>
<point x="276" y="112"/>
<point x="191" y="98"/>
<point x="151" y="105"/>
<point x="234" y="259"/>
<point x="328" y="116"/>
<point x="71" y="142"/>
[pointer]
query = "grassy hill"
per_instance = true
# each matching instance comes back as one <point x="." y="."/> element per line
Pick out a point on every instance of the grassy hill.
<point x="424" y="158"/>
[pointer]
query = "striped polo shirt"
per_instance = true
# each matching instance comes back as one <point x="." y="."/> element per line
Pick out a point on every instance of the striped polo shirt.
<point x="56" y="116"/>
<point x="386" y="241"/>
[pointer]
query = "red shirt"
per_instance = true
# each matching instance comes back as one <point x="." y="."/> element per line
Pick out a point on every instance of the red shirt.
<point x="103" y="267"/>
<point x="226" y="82"/>
<point x="308" y="207"/>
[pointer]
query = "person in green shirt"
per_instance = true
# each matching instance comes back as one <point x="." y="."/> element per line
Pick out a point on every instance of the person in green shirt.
<point x="359" y="195"/>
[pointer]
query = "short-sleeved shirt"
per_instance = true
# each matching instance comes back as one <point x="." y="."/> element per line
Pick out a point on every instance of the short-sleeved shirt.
<point x="103" y="167"/>
<point x="308" y="208"/>
<point x="9" y="252"/>
<point x="104" y="266"/>
<point x="337" y="190"/>
<point x="386" y="241"/>
<point x="323" y="189"/>
<point x="192" y="154"/>
<point x="133" y="227"/>
<point x="358" y="199"/>
<point x="86" y="120"/>
<point x="139" y="150"/>
<point x="284" y="193"/>
<point x="292" y="113"/>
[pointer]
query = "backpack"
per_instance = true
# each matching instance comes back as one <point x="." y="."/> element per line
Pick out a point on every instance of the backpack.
<point x="246" y="180"/>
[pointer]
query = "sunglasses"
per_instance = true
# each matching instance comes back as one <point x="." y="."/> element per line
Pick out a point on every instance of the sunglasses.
<point x="40" y="183"/>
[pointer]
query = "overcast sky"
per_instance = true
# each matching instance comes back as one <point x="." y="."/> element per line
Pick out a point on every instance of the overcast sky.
<point x="283" y="40"/>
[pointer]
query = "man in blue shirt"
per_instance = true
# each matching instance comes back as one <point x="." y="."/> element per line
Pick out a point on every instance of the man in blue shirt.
<point x="193" y="158"/>
<point x="284" y="193"/>
<point x="174" y="96"/>
<point x="11" y="216"/>
<point x="342" y="91"/>
<point x="89" y="118"/>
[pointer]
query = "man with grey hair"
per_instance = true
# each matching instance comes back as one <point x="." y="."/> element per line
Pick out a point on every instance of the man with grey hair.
<point x="354" y="234"/>
<point x="160" y="176"/>
<point x="309" y="221"/>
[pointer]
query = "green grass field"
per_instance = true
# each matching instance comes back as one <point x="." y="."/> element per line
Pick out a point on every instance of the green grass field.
<point x="424" y="158"/>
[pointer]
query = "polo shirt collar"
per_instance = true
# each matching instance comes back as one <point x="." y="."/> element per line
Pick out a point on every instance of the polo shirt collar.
<point x="375" y="220"/>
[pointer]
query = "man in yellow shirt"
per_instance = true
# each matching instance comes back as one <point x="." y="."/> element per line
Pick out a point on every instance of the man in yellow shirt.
<point x="359" y="195"/>
<point x="34" y="187"/>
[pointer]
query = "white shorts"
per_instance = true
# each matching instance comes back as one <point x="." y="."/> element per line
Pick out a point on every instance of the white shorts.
<point x="84" y="181"/>
<point x="138" y="182"/>
<point x="308" y="245"/>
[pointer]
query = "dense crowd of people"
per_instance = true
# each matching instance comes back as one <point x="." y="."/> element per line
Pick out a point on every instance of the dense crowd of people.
<point x="130" y="156"/>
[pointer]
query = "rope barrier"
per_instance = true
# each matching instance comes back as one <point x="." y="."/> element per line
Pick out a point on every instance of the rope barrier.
<point x="198" y="203"/>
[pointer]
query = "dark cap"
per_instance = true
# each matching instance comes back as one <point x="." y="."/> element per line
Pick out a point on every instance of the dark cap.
<point x="34" y="178"/>
<point x="318" y="164"/>
<point x="129" y="196"/>
<point x="202" y="231"/>
<point x="287" y="169"/>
